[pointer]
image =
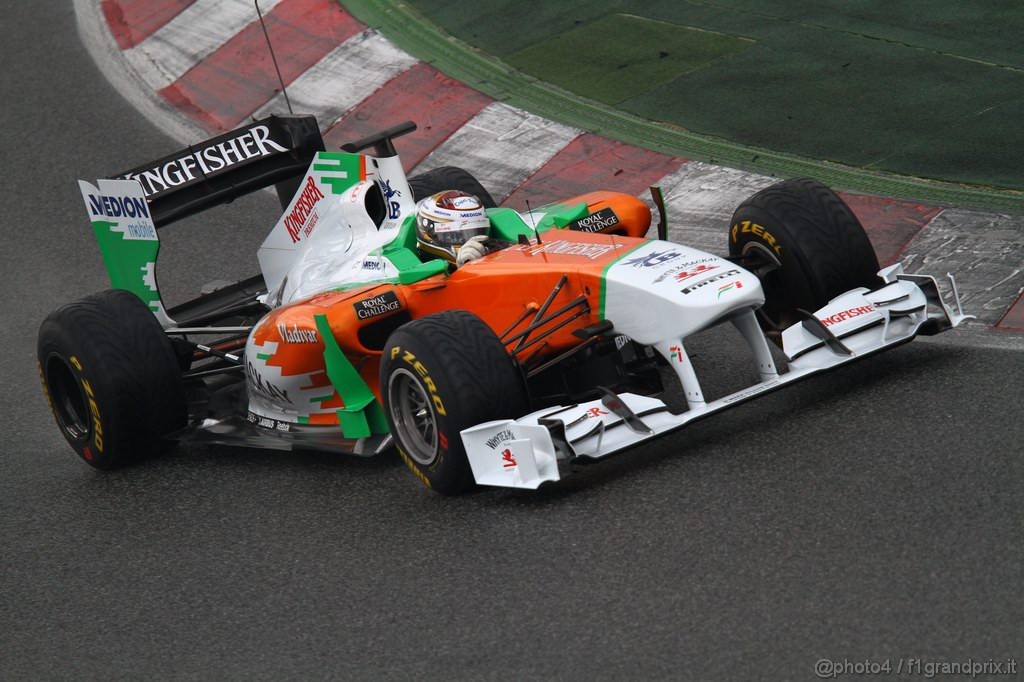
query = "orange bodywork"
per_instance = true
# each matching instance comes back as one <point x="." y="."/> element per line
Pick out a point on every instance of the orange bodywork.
<point x="498" y="288"/>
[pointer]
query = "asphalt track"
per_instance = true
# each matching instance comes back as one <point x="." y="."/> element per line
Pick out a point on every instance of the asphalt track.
<point x="874" y="513"/>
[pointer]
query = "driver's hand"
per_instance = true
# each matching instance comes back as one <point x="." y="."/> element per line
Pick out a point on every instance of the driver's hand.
<point x="473" y="248"/>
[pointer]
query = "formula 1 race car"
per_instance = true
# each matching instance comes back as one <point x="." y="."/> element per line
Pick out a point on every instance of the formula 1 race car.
<point x="504" y="372"/>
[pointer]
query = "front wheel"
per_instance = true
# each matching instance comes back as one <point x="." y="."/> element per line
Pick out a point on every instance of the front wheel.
<point x="441" y="374"/>
<point x="807" y="245"/>
<point x="111" y="377"/>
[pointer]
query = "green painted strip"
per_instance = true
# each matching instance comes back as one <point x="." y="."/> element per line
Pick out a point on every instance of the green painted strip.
<point x="421" y="272"/>
<point x="562" y="218"/>
<point x="349" y="286"/>
<point x="417" y="35"/>
<point x="127" y="261"/>
<point x="507" y="224"/>
<point x="362" y="414"/>
<point x="338" y="157"/>
<point x="303" y="419"/>
<point x="340" y="170"/>
<point x="263" y="356"/>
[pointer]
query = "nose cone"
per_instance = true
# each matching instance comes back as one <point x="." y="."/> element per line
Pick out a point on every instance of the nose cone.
<point x="666" y="291"/>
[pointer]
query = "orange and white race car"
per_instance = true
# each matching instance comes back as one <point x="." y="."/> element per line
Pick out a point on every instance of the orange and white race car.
<point x="503" y="372"/>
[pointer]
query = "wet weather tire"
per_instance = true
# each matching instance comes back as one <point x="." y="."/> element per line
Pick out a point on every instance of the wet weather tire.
<point x="111" y="377"/>
<point x="816" y="241"/>
<point x="441" y="374"/>
<point x="449" y="177"/>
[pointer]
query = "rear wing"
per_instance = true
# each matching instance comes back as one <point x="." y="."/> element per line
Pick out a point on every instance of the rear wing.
<point x="272" y="151"/>
<point x="127" y="210"/>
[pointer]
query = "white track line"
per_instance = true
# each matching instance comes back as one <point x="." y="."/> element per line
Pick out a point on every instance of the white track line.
<point x="504" y="145"/>
<point x="98" y="40"/>
<point x="190" y="37"/>
<point x="987" y="250"/>
<point x="345" y="77"/>
<point x="700" y="199"/>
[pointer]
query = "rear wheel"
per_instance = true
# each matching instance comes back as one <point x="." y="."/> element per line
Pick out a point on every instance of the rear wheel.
<point x="449" y="177"/>
<point x="441" y="374"/>
<point x="806" y="246"/>
<point x="111" y="377"/>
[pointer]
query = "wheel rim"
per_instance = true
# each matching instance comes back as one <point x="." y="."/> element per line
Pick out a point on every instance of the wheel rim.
<point x="413" y="416"/>
<point x="68" y="398"/>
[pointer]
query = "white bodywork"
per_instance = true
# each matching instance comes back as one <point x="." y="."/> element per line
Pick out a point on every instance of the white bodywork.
<point x="325" y="240"/>
<point x="662" y="293"/>
<point x="525" y="452"/>
<point x="658" y="295"/>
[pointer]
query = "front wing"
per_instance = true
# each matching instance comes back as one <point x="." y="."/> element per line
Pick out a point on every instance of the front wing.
<point x="539" y="447"/>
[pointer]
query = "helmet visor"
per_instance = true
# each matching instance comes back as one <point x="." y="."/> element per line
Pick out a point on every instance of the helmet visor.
<point x="444" y="233"/>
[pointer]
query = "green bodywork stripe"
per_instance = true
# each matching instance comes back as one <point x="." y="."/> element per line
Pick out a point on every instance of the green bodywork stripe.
<point x="362" y="415"/>
<point x="263" y="356"/>
<point x="406" y="237"/>
<point x="303" y="419"/>
<point x="345" y="168"/>
<point x="563" y="216"/>
<point x="602" y="296"/>
<point x="421" y="272"/>
<point x="402" y="254"/>
<point x="507" y="224"/>
<point x="127" y="261"/>
<point x="349" y="286"/>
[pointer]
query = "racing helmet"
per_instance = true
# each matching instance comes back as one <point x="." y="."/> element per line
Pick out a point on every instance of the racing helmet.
<point x="446" y="221"/>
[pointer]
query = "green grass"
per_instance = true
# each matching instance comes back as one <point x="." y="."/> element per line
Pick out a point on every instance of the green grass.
<point x="621" y="56"/>
<point x="915" y="100"/>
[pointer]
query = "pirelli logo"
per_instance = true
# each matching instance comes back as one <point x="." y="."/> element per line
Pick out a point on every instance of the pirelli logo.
<point x="703" y="283"/>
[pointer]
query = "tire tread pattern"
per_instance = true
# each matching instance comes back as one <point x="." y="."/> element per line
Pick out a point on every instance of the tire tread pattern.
<point x="473" y="372"/>
<point x="131" y="367"/>
<point x="822" y="236"/>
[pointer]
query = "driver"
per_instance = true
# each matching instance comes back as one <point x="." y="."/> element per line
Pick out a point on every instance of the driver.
<point x="452" y="225"/>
